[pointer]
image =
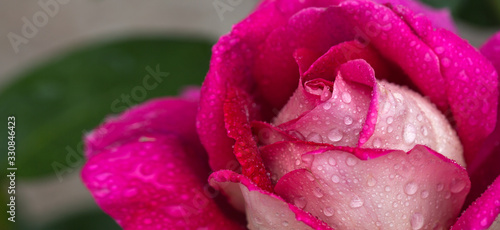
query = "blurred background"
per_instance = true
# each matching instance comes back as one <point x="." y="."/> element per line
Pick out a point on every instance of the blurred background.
<point x="67" y="64"/>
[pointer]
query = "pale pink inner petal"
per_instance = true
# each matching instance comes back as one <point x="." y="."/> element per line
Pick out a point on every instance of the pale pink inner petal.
<point x="406" y="119"/>
<point x="264" y="210"/>
<point x="394" y="191"/>
<point x="339" y="119"/>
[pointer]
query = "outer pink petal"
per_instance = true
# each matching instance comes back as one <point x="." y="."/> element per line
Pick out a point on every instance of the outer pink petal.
<point x="485" y="168"/>
<point x="440" y="18"/>
<point x="265" y="210"/>
<point x="471" y="81"/>
<point x="164" y="116"/>
<point x="396" y="41"/>
<point x="316" y="29"/>
<point x="397" y="190"/>
<point x="233" y="64"/>
<point x="481" y="214"/>
<point x="327" y="65"/>
<point x="154" y="182"/>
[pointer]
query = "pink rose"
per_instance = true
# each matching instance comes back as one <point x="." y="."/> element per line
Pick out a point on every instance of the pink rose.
<point x="315" y="114"/>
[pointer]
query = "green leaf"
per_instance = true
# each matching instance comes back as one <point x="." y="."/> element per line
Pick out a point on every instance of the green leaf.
<point x="57" y="102"/>
<point x="482" y="13"/>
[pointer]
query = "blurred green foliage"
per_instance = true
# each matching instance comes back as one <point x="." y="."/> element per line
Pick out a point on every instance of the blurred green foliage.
<point x="479" y="12"/>
<point x="56" y="103"/>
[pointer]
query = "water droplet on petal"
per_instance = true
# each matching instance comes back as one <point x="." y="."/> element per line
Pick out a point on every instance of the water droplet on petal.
<point x="440" y="187"/>
<point x="411" y="188"/>
<point x="351" y="161"/>
<point x="409" y="134"/>
<point x="332" y="161"/>
<point x="307" y="158"/>
<point x="314" y="137"/>
<point x="371" y="181"/>
<point x="377" y="143"/>
<point x="300" y="202"/>
<point x="327" y="105"/>
<point x="390" y="120"/>
<point x="424" y="194"/>
<point x="348" y="120"/>
<point x="457" y="185"/>
<point x="346" y="97"/>
<point x="335" y="135"/>
<point x="328" y="211"/>
<point x="285" y="223"/>
<point x="356" y="202"/>
<point x="335" y="179"/>
<point x="317" y="192"/>
<point x="417" y="221"/>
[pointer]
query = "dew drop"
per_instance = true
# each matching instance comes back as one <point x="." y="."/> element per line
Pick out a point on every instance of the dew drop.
<point x="356" y="202"/>
<point x="439" y="50"/>
<point x="390" y="120"/>
<point x="484" y="222"/>
<point x="335" y="135"/>
<point x="411" y="188"/>
<point x="424" y="194"/>
<point x="317" y="192"/>
<point x="350" y="161"/>
<point x="409" y="134"/>
<point x="327" y="106"/>
<point x="424" y="131"/>
<point x="307" y="158"/>
<point x="346" y="97"/>
<point x="377" y="143"/>
<point x="417" y="221"/>
<point x="314" y="137"/>
<point x="445" y="62"/>
<point x="420" y="117"/>
<point x="332" y="161"/>
<point x="300" y="202"/>
<point x="328" y="211"/>
<point x="335" y="179"/>
<point x="285" y="223"/>
<point x="296" y="134"/>
<point x="371" y="181"/>
<point x="348" y="120"/>
<point x="457" y="185"/>
<point x="440" y="187"/>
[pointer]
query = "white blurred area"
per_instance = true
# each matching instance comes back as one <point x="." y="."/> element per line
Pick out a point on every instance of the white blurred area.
<point x="79" y="22"/>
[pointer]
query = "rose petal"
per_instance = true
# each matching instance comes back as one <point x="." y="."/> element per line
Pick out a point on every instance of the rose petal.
<point x="237" y="108"/>
<point x="327" y="65"/>
<point x="405" y="119"/>
<point x="265" y="210"/>
<point x="316" y="29"/>
<point x="267" y="134"/>
<point x="471" y="81"/>
<point x="154" y="182"/>
<point x="388" y="33"/>
<point x="482" y="213"/>
<point x="396" y="189"/>
<point x="283" y="157"/>
<point x="232" y="64"/>
<point x="302" y="100"/>
<point x="439" y="17"/>
<point x="339" y="119"/>
<point x="484" y="169"/>
<point x="491" y="50"/>
<point x="170" y="116"/>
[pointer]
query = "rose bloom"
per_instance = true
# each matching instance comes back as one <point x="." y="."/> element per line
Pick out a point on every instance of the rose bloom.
<point x="315" y="114"/>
